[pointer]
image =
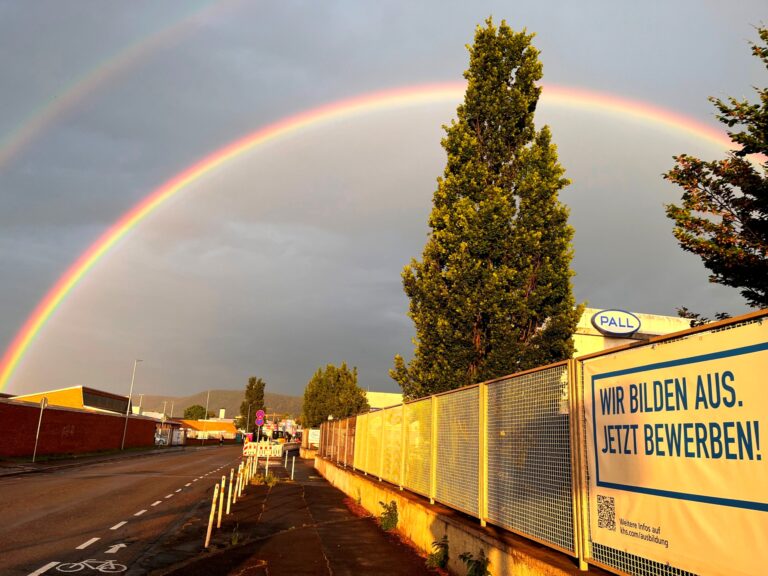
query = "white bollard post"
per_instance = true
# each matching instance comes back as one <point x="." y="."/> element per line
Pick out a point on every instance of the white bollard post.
<point x="221" y="500"/>
<point x="266" y="468"/>
<point x="286" y="460"/>
<point x="229" y="492"/>
<point x="210" y="518"/>
<point x="293" y="466"/>
<point x="237" y="486"/>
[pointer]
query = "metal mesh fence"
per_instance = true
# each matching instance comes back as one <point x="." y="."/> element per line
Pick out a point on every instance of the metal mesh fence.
<point x="361" y="441"/>
<point x="393" y="433"/>
<point x="349" y="447"/>
<point x="373" y="458"/>
<point x="457" y="449"/>
<point x="323" y="439"/>
<point x="529" y="456"/>
<point x="418" y="446"/>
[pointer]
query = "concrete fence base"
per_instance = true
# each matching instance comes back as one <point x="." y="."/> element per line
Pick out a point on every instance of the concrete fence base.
<point x="424" y="523"/>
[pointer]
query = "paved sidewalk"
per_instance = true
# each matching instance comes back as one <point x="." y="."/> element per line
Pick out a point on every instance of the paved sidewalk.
<point x="305" y="527"/>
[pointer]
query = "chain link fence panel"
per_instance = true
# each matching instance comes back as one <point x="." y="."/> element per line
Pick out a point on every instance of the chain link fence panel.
<point x="418" y="446"/>
<point x="373" y="458"/>
<point x="457" y="449"/>
<point x="361" y="442"/>
<point x="529" y="456"/>
<point x="393" y="434"/>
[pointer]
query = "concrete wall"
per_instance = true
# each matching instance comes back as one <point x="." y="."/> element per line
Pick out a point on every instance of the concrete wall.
<point x="423" y="524"/>
<point x="67" y="430"/>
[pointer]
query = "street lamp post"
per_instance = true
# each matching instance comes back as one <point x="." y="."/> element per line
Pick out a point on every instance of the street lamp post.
<point x="128" y="408"/>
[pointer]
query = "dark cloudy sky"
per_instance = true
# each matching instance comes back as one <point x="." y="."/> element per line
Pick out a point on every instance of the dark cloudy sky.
<point x="289" y="257"/>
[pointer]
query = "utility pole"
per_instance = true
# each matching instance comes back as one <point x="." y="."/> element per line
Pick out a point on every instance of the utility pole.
<point x="128" y="408"/>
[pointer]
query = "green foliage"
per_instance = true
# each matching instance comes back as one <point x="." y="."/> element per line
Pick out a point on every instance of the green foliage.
<point x="492" y="294"/>
<point x="195" y="412"/>
<point x="252" y="403"/>
<point x="476" y="566"/>
<point x="235" y="538"/>
<point x="697" y="319"/>
<point x="332" y="392"/>
<point x="439" y="558"/>
<point x="388" y="518"/>
<point x="724" y="210"/>
<point x="268" y="480"/>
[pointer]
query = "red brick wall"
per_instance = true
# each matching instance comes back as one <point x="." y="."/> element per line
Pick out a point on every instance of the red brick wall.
<point x="67" y="431"/>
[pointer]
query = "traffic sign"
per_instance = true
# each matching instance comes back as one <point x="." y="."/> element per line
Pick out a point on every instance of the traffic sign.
<point x="259" y="417"/>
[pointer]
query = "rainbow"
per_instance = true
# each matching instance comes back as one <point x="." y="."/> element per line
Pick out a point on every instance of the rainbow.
<point x="365" y="104"/>
<point x="24" y="134"/>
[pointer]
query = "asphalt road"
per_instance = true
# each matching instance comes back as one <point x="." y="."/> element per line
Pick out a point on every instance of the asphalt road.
<point x="108" y="513"/>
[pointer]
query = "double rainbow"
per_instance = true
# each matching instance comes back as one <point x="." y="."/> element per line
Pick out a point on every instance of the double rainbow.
<point x="365" y="104"/>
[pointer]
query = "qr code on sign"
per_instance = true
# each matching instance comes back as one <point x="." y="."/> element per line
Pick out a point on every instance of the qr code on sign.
<point x="606" y="512"/>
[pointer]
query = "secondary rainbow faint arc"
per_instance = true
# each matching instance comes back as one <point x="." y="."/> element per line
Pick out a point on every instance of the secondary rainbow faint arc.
<point x="363" y="104"/>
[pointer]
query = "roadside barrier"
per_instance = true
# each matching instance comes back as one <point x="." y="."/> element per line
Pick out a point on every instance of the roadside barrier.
<point x="221" y="500"/>
<point x="229" y="492"/>
<point x="210" y="517"/>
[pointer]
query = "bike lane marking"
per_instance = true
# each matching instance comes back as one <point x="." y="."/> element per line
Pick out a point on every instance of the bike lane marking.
<point x="188" y="484"/>
<point x="179" y="490"/>
<point x="168" y="496"/>
<point x="43" y="570"/>
<point x="140" y="512"/>
<point x="88" y="543"/>
<point x="119" y="525"/>
<point x="156" y="502"/>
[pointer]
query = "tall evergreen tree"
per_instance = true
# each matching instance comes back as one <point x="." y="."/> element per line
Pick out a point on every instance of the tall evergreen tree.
<point x="492" y="294"/>
<point x="253" y="402"/>
<point x="332" y="392"/>
<point x="723" y="217"/>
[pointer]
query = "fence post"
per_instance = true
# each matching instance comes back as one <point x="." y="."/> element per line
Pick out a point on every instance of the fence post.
<point x="367" y="444"/>
<point x="433" y="454"/>
<point x="403" y="440"/>
<point x="482" y="468"/>
<point x="579" y="498"/>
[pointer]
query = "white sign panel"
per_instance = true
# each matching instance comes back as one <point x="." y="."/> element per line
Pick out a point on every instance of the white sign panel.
<point x="677" y="451"/>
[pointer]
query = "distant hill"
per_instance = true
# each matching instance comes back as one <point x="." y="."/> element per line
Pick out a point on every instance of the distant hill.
<point x="228" y="399"/>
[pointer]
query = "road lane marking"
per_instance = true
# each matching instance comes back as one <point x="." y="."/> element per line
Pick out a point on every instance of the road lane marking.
<point x="169" y="496"/>
<point x="179" y="490"/>
<point x="118" y="525"/>
<point x="188" y="484"/>
<point x="116" y="548"/>
<point x="88" y="543"/>
<point x="196" y="479"/>
<point x="140" y="512"/>
<point x="157" y="502"/>
<point x="44" y="569"/>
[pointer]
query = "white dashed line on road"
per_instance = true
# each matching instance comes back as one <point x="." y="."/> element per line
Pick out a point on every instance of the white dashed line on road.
<point x="88" y="543"/>
<point x="188" y="484"/>
<point x="140" y="512"/>
<point x="118" y="525"/>
<point x="169" y="496"/>
<point x="44" y="569"/>
<point x="156" y="502"/>
<point x="179" y="490"/>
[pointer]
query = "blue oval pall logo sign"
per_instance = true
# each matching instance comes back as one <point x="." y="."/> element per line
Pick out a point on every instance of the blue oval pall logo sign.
<point x="616" y="322"/>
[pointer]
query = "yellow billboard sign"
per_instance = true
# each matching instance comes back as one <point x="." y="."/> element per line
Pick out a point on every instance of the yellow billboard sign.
<point x="678" y="464"/>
